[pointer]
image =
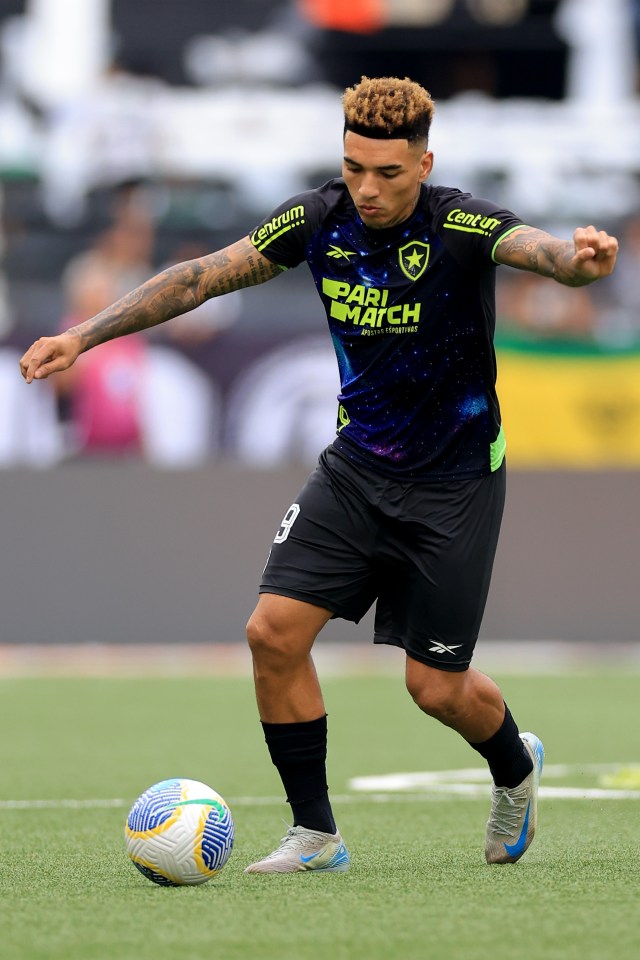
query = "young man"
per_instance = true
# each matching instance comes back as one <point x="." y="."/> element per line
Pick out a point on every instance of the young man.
<point x="404" y="508"/>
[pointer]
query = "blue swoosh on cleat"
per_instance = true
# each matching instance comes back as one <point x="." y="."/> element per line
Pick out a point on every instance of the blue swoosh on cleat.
<point x="517" y="849"/>
<point x="312" y="857"/>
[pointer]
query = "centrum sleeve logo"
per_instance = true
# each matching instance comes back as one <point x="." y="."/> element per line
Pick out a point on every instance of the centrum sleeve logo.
<point x="263" y="236"/>
<point x="414" y="258"/>
<point x="467" y="222"/>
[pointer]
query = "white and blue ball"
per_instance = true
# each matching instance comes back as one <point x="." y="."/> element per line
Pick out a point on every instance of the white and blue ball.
<point x="179" y="832"/>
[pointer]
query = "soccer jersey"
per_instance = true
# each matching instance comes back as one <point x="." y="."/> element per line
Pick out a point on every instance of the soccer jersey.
<point x="411" y="312"/>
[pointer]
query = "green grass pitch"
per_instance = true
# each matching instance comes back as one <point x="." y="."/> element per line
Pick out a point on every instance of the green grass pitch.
<point x="418" y="887"/>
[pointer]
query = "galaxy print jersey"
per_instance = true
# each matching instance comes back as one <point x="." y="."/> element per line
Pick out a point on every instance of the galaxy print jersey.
<point x="411" y="312"/>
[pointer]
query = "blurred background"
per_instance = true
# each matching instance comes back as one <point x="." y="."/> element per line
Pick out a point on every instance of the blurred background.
<point x="139" y="492"/>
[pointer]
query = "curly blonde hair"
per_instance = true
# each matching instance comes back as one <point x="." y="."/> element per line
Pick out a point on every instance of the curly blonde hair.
<point x="388" y="108"/>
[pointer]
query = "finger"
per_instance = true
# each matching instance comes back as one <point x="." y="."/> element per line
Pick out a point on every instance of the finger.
<point x="24" y="363"/>
<point x="49" y="367"/>
<point x="36" y="349"/>
<point x="35" y="363"/>
<point x="607" y="246"/>
<point x="32" y="370"/>
<point x="602" y="244"/>
<point x="599" y="240"/>
<point x="28" y="364"/>
<point x="584" y="254"/>
<point x="597" y="260"/>
<point x="584" y="237"/>
<point x="591" y="237"/>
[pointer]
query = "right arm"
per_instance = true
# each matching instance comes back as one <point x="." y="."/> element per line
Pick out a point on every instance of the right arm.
<point x="174" y="291"/>
<point x="589" y="256"/>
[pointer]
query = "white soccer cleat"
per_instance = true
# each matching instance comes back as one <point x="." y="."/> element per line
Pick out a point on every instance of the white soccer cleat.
<point x="514" y="811"/>
<point x="304" y="849"/>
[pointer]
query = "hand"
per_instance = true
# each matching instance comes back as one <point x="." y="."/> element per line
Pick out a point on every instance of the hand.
<point x="50" y="355"/>
<point x="595" y="254"/>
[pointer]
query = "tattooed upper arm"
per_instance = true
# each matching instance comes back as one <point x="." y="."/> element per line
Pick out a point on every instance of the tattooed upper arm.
<point x="233" y="268"/>
<point x="178" y="289"/>
<point x="530" y="249"/>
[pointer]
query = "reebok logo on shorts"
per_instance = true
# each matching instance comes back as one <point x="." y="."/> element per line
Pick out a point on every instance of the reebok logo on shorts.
<point x="442" y="648"/>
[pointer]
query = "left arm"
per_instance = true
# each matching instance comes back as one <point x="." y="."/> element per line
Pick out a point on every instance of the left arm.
<point x="590" y="256"/>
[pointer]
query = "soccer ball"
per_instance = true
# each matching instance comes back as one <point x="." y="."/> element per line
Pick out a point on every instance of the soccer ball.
<point x="179" y="832"/>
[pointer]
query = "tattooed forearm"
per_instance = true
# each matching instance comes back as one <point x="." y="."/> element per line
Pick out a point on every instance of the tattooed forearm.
<point x="536" y="250"/>
<point x="176" y="290"/>
<point x="160" y="298"/>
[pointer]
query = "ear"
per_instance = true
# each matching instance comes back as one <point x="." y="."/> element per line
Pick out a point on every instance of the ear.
<point x="426" y="165"/>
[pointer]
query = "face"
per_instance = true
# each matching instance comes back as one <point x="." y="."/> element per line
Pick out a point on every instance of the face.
<point x="384" y="177"/>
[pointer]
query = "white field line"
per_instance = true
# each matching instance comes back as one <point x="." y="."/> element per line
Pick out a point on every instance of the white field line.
<point x="437" y="779"/>
<point x="393" y="788"/>
<point x="473" y="782"/>
<point x="461" y="791"/>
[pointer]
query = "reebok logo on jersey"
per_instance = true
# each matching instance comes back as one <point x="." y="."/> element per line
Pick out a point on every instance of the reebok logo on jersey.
<point x="414" y="258"/>
<point x="441" y="648"/>
<point x="337" y="253"/>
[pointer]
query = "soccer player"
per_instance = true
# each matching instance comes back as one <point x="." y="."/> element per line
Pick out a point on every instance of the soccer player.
<point x="405" y="505"/>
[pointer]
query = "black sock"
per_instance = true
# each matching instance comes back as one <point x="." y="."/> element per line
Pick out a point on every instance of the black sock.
<point x="299" y="753"/>
<point x="508" y="758"/>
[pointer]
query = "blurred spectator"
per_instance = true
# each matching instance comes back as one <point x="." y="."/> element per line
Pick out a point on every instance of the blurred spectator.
<point x="533" y="308"/>
<point x="627" y="277"/>
<point x="132" y="397"/>
<point x="619" y="318"/>
<point x="101" y="399"/>
<point x="125" y="249"/>
<point x="101" y="394"/>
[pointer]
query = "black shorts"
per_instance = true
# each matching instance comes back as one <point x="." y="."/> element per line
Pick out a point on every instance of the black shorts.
<point x="423" y="551"/>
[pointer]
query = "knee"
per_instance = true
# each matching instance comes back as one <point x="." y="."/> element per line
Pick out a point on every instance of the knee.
<point x="441" y="698"/>
<point x="268" y="640"/>
<point x="261" y="634"/>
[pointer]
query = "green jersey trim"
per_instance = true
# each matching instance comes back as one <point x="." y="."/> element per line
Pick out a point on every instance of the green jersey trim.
<point x="497" y="450"/>
<point x="502" y="237"/>
<point x="456" y="226"/>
